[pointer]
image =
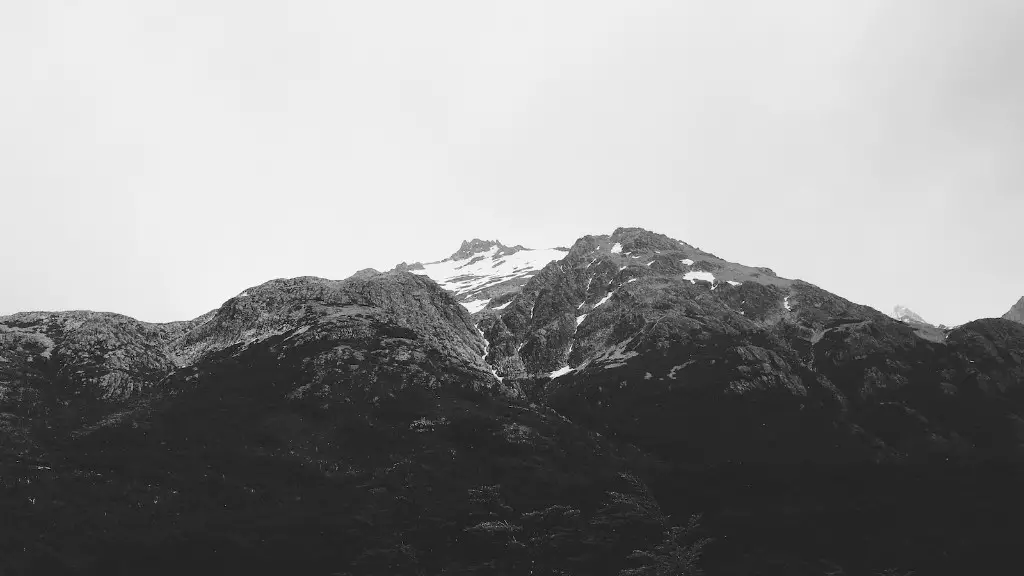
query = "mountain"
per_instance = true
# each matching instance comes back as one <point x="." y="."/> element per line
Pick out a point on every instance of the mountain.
<point x="1016" y="312"/>
<point x="707" y="340"/>
<point x="513" y="411"/>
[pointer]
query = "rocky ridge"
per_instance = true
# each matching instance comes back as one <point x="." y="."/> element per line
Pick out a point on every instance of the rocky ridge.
<point x="101" y="361"/>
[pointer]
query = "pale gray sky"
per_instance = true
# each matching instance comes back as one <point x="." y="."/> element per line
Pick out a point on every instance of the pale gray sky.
<point x="158" y="157"/>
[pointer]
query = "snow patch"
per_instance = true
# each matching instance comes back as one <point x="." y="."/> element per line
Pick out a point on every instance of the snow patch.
<point x="484" y="269"/>
<point x="687" y="261"/>
<point x="617" y="248"/>
<point x="475" y="306"/>
<point x="785" y="303"/>
<point x="630" y="280"/>
<point x="734" y="283"/>
<point x="613" y="357"/>
<point x="580" y="319"/>
<point x="503" y="306"/>
<point x="560" y="372"/>
<point x="672" y="372"/>
<point x="603" y="300"/>
<point x="693" y="276"/>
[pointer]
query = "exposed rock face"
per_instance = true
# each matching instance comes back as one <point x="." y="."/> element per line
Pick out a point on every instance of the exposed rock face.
<point x="1016" y="313"/>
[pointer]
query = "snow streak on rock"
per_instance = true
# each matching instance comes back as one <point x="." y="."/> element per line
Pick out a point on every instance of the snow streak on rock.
<point x="603" y="300"/>
<point x="560" y="372"/>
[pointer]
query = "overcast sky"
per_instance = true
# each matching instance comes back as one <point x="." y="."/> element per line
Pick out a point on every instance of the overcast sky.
<point x="158" y="157"/>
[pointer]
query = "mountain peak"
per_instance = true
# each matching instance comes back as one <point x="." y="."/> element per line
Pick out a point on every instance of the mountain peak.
<point x="901" y="312"/>
<point x="477" y="246"/>
<point x="1016" y="312"/>
<point x="366" y="273"/>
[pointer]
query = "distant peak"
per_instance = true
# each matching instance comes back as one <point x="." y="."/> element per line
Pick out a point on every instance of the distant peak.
<point x="901" y="312"/>
<point x="477" y="246"/>
<point x="406" y="267"/>
<point x="365" y="273"/>
<point x="1016" y="312"/>
<point x="474" y="246"/>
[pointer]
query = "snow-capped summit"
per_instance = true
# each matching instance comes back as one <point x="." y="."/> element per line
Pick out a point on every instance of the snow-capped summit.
<point x="901" y="312"/>
<point x="481" y="272"/>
